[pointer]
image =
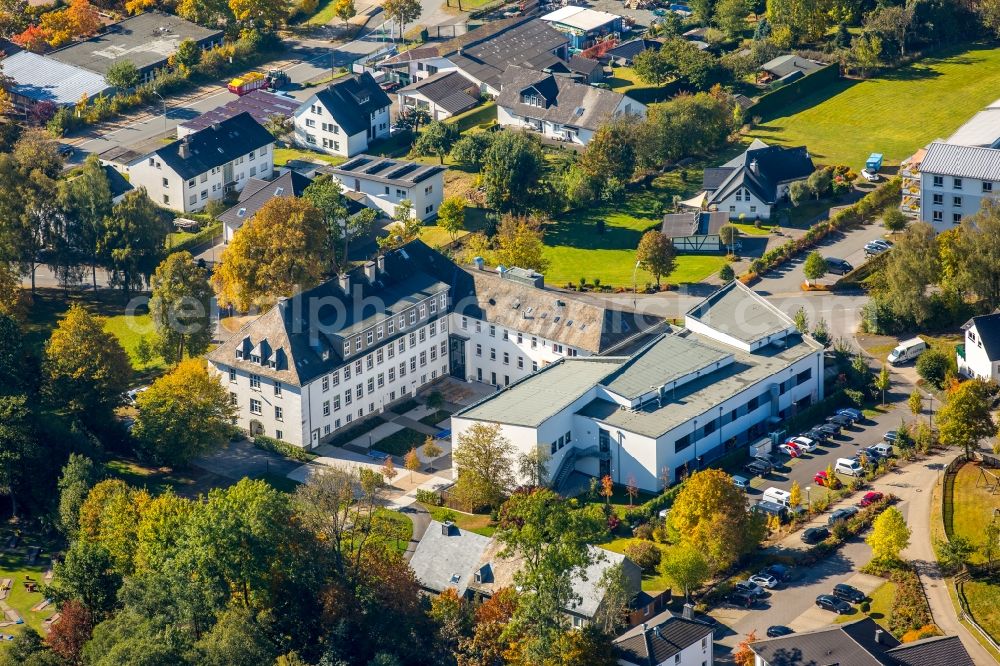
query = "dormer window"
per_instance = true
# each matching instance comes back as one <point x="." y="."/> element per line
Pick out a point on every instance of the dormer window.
<point x="239" y="354"/>
<point x="254" y="358"/>
<point x="531" y="99"/>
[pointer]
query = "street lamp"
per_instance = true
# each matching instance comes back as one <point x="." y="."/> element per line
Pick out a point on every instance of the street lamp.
<point x="164" y="102"/>
<point x="809" y="504"/>
<point x="635" y="285"/>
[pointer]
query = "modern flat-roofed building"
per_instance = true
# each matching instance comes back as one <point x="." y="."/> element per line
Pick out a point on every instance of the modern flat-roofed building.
<point x="386" y="182"/>
<point x="583" y="26"/>
<point x="682" y="400"/>
<point x="38" y="78"/>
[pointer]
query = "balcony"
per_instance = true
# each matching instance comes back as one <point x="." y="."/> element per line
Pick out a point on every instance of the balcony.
<point x="960" y="350"/>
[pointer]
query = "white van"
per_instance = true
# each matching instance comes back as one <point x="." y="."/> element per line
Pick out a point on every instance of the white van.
<point x="907" y="351"/>
<point x="884" y="449"/>
<point x="848" y="466"/>
<point x="778" y="496"/>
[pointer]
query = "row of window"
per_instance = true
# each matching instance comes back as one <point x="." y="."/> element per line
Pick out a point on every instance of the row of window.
<point x="561" y="442"/>
<point x="956" y="184"/>
<point x="938" y="216"/>
<point x="329" y="408"/>
<point x="380" y="331"/>
<point x="732" y="209"/>
<point x="505" y="335"/>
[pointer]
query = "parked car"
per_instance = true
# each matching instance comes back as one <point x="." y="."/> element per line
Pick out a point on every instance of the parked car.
<point x="66" y="150"/>
<point x="814" y="534"/>
<point x="818" y="434"/>
<point x="750" y="588"/>
<point x="820" y="478"/>
<point x="832" y="603"/>
<point x="870" y="498"/>
<point x="872" y="249"/>
<point x="848" y="466"/>
<point x="840" y="420"/>
<point x="791" y="449"/>
<point x="841" y="514"/>
<point x="884" y="449"/>
<point x="803" y="442"/>
<point x="779" y="571"/>
<point x="855" y="414"/>
<point x="741" y="599"/>
<point x="764" y="580"/>
<point x="758" y="467"/>
<point x="831" y="429"/>
<point x="891" y="437"/>
<point x="870" y="176"/>
<point x="741" y="482"/>
<point x="778" y="630"/>
<point x="838" y="266"/>
<point x="770" y="509"/>
<point x="134" y="393"/>
<point x="848" y="593"/>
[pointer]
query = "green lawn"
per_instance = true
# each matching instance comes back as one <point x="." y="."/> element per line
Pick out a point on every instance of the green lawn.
<point x="650" y="582"/>
<point x="984" y="601"/>
<point x="13" y="565"/>
<point x="895" y="113"/>
<point x="399" y="443"/>
<point x="398" y="525"/>
<point x="283" y="155"/>
<point x="472" y="522"/>
<point x="974" y="506"/>
<point x="436" y="417"/>
<point x="130" y="331"/>
<point x="881" y="602"/>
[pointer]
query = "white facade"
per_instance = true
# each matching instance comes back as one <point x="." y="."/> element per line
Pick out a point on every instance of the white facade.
<point x="425" y="196"/>
<point x="507" y="117"/>
<point x="945" y="200"/>
<point x="316" y="128"/>
<point x="974" y="360"/>
<point x="742" y="202"/>
<point x="169" y="190"/>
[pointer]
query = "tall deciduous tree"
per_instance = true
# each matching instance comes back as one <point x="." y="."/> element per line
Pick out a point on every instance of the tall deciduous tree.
<point x="85" y="367"/>
<point x="282" y="249"/>
<point x="710" y="515"/>
<point x="977" y="249"/>
<point x="965" y="419"/>
<point x="731" y="16"/>
<point x="265" y="16"/>
<point x="87" y="203"/>
<point x="181" y="307"/>
<point x="519" y="242"/>
<point x="402" y="12"/>
<point x="512" y="166"/>
<point x="451" y="216"/>
<point x="437" y="138"/>
<point x="345" y="10"/>
<point x="883" y="381"/>
<point x="890" y="535"/>
<point x="183" y="414"/>
<point x="815" y="267"/>
<point x="686" y="568"/>
<point x="656" y="254"/>
<point x="18" y="438"/>
<point x="123" y="74"/>
<point x="485" y="462"/>
<point x="653" y="67"/>
<point x="87" y="574"/>
<point x="611" y="151"/>
<point x="78" y="476"/>
<point x="133" y="241"/>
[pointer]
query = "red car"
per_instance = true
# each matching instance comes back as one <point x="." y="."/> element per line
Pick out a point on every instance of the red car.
<point x="869" y="499"/>
<point x="820" y="478"/>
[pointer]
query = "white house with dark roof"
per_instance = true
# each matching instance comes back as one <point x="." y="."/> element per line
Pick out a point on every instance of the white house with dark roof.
<point x="557" y="107"/>
<point x="255" y="194"/>
<point x="979" y="355"/>
<point x="683" y="399"/>
<point x="753" y="183"/>
<point x="385" y="182"/>
<point x="187" y="173"/>
<point x="448" y="557"/>
<point x="667" y="640"/>
<point x="441" y="95"/>
<point x="345" y="117"/>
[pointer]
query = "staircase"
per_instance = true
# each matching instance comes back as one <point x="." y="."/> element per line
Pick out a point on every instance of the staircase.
<point x="568" y="463"/>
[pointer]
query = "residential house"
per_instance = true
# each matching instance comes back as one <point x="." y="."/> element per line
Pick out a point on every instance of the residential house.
<point x="441" y="95"/>
<point x="683" y="399"/>
<point x="201" y="167"/>
<point x="255" y="194"/>
<point x="386" y="182"/>
<point x="954" y="181"/>
<point x="585" y="70"/>
<point x="345" y="117"/>
<point x="863" y="642"/>
<point x="788" y="68"/>
<point x="667" y="640"/>
<point x="483" y="54"/>
<point x="979" y="355"/>
<point x="624" y="54"/>
<point x="449" y="557"/>
<point x="754" y="183"/>
<point x="695" y="230"/>
<point x="558" y="108"/>
<point x="261" y="104"/>
<point x="583" y="26"/>
<point x="323" y="359"/>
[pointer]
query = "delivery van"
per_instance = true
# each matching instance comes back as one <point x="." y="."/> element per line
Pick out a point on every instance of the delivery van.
<point x="907" y="351"/>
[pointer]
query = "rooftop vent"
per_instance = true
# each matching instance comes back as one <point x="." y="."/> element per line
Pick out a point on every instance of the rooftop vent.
<point x="241" y="212"/>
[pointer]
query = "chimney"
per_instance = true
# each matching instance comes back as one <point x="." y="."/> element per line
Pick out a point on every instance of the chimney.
<point x="446" y="527"/>
<point x="370" y="271"/>
<point x="479" y="263"/>
<point x="182" y="150"/>
<point x="345" y="283"/>
<point x="878" y="635"/>
<point x="216" y="127"/>
<point x="688" y="612"/>
<point x="380" y="261"/>
<point x="643" y="627"/>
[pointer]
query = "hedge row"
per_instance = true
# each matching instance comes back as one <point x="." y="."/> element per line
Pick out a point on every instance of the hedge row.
<point x="281" y="448"/>
<point x="777" y="101"/>
<point x="855" y="278"/>
<point x="650" y="509"/>
<point x="872" y="203"/>
<point x="203" y="236"/>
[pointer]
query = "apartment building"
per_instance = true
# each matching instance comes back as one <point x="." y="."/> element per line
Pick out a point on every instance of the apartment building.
<point x="954" y="180"/>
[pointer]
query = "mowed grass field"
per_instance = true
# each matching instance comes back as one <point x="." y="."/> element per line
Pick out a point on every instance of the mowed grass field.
<point x="895" y="113"/>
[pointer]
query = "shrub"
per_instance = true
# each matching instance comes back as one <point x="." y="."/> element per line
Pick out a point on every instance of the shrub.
<point x="865" y="606"/>
<point x="429" y="497"/>
<point x="933" y="365"/>
<point x="909" y="610"/>
<point x="645" y="554"/>
<point x="282" y="448"/>
<point x="644" y="531"/>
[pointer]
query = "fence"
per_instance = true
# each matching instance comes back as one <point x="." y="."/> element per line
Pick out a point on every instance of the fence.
<point x="777" y="101"/>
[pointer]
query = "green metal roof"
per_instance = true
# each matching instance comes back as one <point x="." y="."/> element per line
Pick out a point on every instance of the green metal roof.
<point x="668" y="359"/>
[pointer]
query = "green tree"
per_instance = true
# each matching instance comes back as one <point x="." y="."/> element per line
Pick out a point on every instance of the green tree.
<point x="122" y="74"/>
<point x="819" y="182"/>
<point x="237" y="639"/>
<point x="933" y="366"/>
<point x="18" y="445"/>
<point x="512" y="164"/>
<point x="990" y="545"/>
<point x="727" y="274"/>
<point x="612" y="615"/>
<point x="79" y="475"/>
<point x="656" y="254"/>
<point x="866" y="53"/>
<point x="540" y="529"/>
<point x="915" y="402"/>
<point x="890" y="535"/>
<point x="801" y="320"/>
<point x="798" y="191"/>
<point x="485" y="462"/>
<point x="966" y="419"/>
<point x="451" y="216"/>
<point x="87" y="203"/>
<point x="977" y="250"/>
<point x="731" y="16"/>
<point x="519" y="242"/>
<point x="327" y="196"/>
<point x="470" y="149"/>
<point x="85" y="367"/>
<point x="815" y="267"/>
<point x="795" y="495"/>
<point x="263" y="16"/>
<point x="702" y="10"/>
<point x="954" y="553"/>
<point x="181" y="307"/>
<point x="437" y="138"/>
<point x="345" y="10"/>
<point x="402" y="12"/>
<point x="611" y="151"/>
<point x="883" y="381"/>
<point x="652" y="67"/>
<point x="912" y="266"/>
<point x="133" y="241"/>
<point x="729" y="235"/>
<point x="710" y="515"/>
<point x="895" y="220"/>
<point x="532" y="467"/>
<point x="188" y="53"/>
<point x="686" y="567"/>
<point x="87" y="574"/>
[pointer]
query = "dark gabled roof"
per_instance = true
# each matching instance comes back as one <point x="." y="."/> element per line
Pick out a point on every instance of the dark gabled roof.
<point x="258" y="192"/>
<point x="761" y="170"/>
<point x="988" y="328"/>
<point x="304" y="352"/>
<point x="215" y="145"/>
<point x="852" y="643"/>
<point x="116" y="182"/>
<point x="789" y="64"/>
<point x="714" y="177"/>
<point x="351" y="101"/>
<point x="630" y="49"/>
<point x="658" y="640"/>
<point x="584" y="65"/>
<point x="939" y="650"/>
<point x="567" y="102"/>
<point x="450" y="90"/>
<point x="258" y="103"/>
